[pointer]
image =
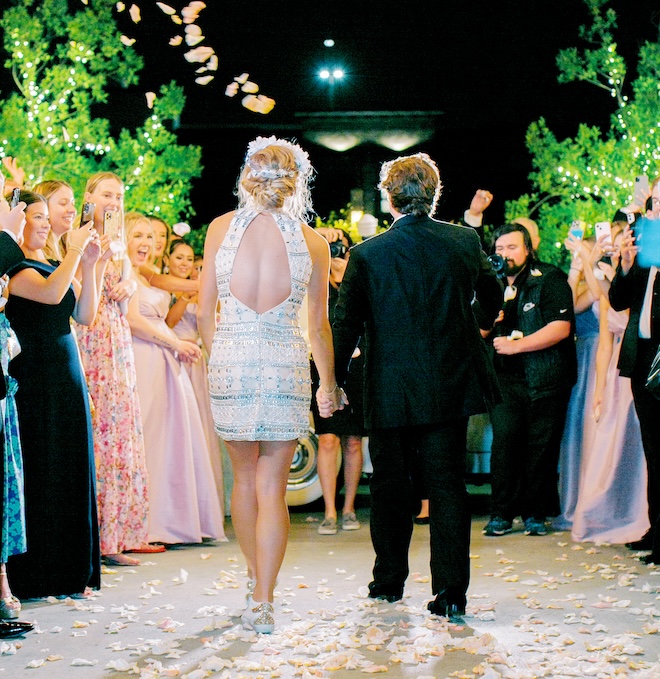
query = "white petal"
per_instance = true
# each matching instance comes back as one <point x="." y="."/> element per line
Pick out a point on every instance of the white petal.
<point x="134" y="11"/>
<point x="166" y="8"/>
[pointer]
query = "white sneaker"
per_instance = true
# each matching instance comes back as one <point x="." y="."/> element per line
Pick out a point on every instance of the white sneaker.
<point x="349" y="521"/>
<point x="259" y="616"/>
<point x="328" y="527"/>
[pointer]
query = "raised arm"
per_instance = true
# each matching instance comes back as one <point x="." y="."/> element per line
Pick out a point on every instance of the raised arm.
<point x="32" y="285"/>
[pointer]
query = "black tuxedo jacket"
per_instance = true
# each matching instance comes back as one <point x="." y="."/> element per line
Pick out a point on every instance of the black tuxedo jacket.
<point x="410" y="292"/>
<point x="10" y="255"/>
<point x="627" y="292"/>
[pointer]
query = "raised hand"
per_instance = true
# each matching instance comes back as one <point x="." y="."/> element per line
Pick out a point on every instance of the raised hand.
<point x="13" y="220"/>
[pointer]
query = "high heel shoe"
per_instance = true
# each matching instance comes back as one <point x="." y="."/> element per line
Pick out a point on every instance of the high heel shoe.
<point x="10" y="607"/>
<point x="260" y="616"/>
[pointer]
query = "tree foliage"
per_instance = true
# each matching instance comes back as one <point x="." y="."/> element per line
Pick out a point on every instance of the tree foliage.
<point x="63" y="62"/>
<point x="592" y="174"/>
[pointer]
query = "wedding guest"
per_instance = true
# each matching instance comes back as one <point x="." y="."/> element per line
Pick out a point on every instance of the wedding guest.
<point x="612" y="502"/>
<point x="106" y="351"/>
<point x="579" y="425"/>
<point x="12" y="504"/>
<point x="184" y="506"/>
<point x="61" y="212"/>
<point x="162" y="236"/>
<point x="182" y="318"/>
<point x="53" y="406"/>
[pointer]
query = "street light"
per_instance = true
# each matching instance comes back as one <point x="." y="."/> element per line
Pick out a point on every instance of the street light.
<point x="331" y="76"/>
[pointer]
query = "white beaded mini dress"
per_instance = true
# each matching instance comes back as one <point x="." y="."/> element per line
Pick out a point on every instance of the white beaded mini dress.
<point x="259" y="377"/>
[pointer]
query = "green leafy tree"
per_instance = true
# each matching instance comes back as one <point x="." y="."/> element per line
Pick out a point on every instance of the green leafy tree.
<point x="591" y="175"/>
<point x="63" y="62"/>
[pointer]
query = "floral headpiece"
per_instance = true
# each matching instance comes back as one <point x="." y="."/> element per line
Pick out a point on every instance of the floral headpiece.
<point x="302" y="158"/>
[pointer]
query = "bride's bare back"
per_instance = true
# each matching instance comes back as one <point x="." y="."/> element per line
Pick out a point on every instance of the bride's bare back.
<point x="261" y="278"/>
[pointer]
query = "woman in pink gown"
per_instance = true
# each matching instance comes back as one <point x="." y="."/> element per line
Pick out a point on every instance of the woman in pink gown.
<point x="183" y="500"/>
<point x="182" y="318"/>
<point x="612" y="501"/>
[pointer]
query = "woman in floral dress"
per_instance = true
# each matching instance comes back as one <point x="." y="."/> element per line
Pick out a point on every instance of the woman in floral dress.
<point x="107" y="355"/>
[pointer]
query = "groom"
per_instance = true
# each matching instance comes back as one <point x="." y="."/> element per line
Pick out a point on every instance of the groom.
<point x="410" y="292"/>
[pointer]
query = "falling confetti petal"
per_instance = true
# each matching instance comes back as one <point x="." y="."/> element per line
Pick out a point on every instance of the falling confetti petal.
<point x="191" y="12"/>
<point x="242" y="78"/>
<point x="199" y="54"/>
<point x="166" y="8"/>
<point x="127" y="41"/>
<point x="120" y="6"/>
<point x="250" y="87"/>
<point x="204" y="80"/>
<point x="231" y="90"/>
<point x="150" y="97"/>
<point x="134" y="11"/>
<point x="176" y="40"/>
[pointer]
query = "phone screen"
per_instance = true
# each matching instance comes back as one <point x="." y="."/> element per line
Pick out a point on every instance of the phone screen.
<point x="577" y="229"/>
<point x="642" y="190"/>
<point x="15" y="197"/>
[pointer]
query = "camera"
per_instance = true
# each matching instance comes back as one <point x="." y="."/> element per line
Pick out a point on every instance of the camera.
<point x="338" y="249"/>
<point x="498" y="263"/>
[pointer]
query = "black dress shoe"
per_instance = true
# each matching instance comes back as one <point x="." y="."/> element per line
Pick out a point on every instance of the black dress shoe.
<point x="650" y="559"/>
<point x="446" y="610"/>
<point x="447" y="605"/>
<point x="644" y="543"/>
<point x="389" y="593"/>
<point x="10" y="629"/>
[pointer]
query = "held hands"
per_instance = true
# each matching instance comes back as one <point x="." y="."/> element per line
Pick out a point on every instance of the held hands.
<point x="328" y="402"/>
<point x="187" y="352"/>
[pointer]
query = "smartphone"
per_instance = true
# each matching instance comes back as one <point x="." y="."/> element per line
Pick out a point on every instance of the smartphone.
<point x="603" y="230"/>
<point x="112" y="225"/>
<point x="15" y="198"/>
<point x="87" y="215"/>
<point x="577" y="229"/>
<point x="642" y="190"/>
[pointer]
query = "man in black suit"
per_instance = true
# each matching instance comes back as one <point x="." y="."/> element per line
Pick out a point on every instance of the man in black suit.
<point x="410" y="292"/>
<point x="637" y="288"/>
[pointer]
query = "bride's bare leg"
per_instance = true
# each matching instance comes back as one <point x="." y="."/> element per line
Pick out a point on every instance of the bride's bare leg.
<point x="272" y="531"/>
<point x="244" y="456"/>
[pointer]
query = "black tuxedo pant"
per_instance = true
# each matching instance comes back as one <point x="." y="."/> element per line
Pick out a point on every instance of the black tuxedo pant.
<point x="437" y="452"/>
<point x="648" y="412"/>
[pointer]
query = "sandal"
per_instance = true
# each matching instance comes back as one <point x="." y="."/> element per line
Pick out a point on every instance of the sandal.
<point x="120" y="560"/>
<point x="148" y="549"/>
<point x="10" y="607"/>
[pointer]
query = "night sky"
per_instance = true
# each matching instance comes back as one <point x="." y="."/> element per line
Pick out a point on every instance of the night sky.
<point x="489" y="67"/>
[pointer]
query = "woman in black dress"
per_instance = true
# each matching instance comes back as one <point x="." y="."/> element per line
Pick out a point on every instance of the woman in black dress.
<point x="53" y="407"/>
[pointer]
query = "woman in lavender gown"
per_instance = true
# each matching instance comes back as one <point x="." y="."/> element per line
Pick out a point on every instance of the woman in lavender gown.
<point x="183" y="501"/>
